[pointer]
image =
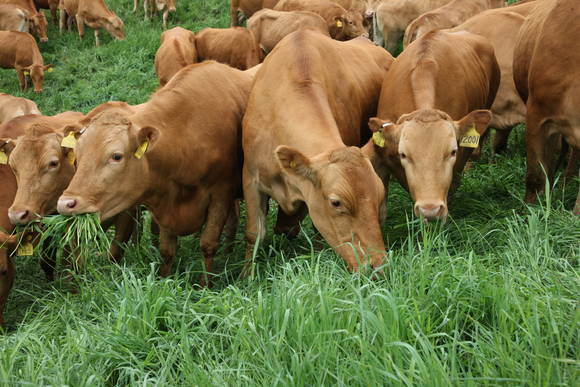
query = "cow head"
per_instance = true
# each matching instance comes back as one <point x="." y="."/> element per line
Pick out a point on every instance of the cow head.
<point x="43" y="170"/>
<point x="115" y="26"/>
<point x="425" y="144"/>
<point x="112" y="166"/>
<point x="345" y="199"/>
<point x="40" y="26"/>
<point x="349" y="26"/>
<point x="36" y="73"/>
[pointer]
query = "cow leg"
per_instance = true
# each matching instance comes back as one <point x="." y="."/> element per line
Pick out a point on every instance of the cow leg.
<point x="124" y="224"/>
<point x="62" y="20"/>
<point x="53" y="8"/>
<point x="146" y="9"/>
<point x="48" y="260"/>
<point x="22" y="79"/>
<point x="500" y="141"/>
<point x="165" y="15"/>
<point x="135" y="4"/>
<point x="573" y="163"/>
<point x="6" y="280"/>
<point x="234" y="13"/>
<point x="257" y="209"/>
<point x="289" y="225"/>
<point x="97" y="40"/>
<point x="576" y="210"/>
<point x="231" y="227"/>
<point x="217" y="215"/>
<point x="80" y="26"/>
<point x="168" y="248"/>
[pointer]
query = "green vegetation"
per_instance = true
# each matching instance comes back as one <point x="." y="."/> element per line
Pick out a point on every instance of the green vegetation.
<point x="489" y="298"/>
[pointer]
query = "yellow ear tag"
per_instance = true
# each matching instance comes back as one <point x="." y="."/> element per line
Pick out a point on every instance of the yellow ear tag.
<point x="141" y="150"/>
<point x="378" y="139"/>
<point x="3" y="158"/>
<point x="470" y="139"/>
<point x="71" y="157"/>
<point x="50" y="70"/>
<point x="26" y="249"/>
<point x="292" y="164"/>
<point x="338" y="23"/>
<point x="26" y="73"/>
<point x="69" y="141"/>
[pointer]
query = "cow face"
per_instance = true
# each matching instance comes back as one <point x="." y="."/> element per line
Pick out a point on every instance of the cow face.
<point x="40" y="26"/>
<point x="115" y="26"/>
<point x="426" y="145"/>
<point x="348" y="26"/>
<point x="36" y="73"/>
<point x="42" y="169"/>
<point x="111" y="166"/>
<point x="344" y="197"/>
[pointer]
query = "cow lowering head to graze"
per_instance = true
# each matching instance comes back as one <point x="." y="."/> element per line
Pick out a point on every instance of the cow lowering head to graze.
<point x="19" y="51"/>
<point x="235" y="46"/>
<point x="93" y="13"/>
<point x="37" y="19"/>
<point x="430" y="115"/>
<point x="300" y="143"/>
<point x="179" y="156"/>
<point x="11" y="107"/>
<point x="270" y="27"/>
<point x="248" y="8"/>
<point x="177" y="50"/>
<point x="547" y="77"/>
<point x="342" y="24"/>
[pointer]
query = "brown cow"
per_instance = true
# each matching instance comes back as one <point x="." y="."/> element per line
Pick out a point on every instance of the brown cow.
<point x="48" y="4"/>
<point x="13" y="18"/>
<point x="151" y="6"/>
<point x="125" y="159"/>
<point x="392" y="18"/>
<point x="447" y="16"/>
<point x="7" y="241"/>
<point x="269" y="26"/>
<point x="500" y="27"/>
<point x="248" y="8"/>
<point x="439" y="78"/>
<point x="93" y="13"/>
<point x="342" y="24"/>
<point x="547" y="76"/>
<point x="300" y="143"/>
<point x="234" y="46"/>
<point x="177" y="50"/>
<point x="11" y="107"/>
<point x="18" y="50"/>
<point x="37" y="19"/>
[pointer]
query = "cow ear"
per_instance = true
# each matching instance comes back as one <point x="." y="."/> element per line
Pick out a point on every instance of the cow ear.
<point x="6" y="147"/>
<point x="72" y="130"/>
<point x="383" y="132"/>
<point x="479" y="119"/>
<point x="48" y="67"/>
<point x="295" y="163"/>
<point x="146" y="137"/>
<point x="339" y="21"/>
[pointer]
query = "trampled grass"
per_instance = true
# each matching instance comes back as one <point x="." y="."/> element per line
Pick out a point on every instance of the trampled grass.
<point x="490" y="298"/>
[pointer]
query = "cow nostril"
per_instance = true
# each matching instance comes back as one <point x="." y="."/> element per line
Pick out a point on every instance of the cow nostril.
<point x="24" y="215"/>
<point x="71" y="203"/>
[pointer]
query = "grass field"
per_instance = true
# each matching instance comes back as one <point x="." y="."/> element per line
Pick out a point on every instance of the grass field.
<point x="490" y="298"/>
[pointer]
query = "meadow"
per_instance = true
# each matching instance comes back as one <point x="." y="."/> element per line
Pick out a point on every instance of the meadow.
<point x="489" y="298"/>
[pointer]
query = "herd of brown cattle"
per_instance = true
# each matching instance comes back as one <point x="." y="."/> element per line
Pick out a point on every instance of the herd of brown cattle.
<point x="303" y="109"/>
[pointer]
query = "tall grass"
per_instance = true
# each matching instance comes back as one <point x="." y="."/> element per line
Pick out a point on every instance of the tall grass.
<point x="490" y="298"/>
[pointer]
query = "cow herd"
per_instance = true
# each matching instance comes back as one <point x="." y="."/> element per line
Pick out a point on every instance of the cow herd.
<point x="299" y="107"/>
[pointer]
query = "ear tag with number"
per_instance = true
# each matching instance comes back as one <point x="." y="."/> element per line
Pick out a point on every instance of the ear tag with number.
<point x="69" y="141"/>
<point x="470" y="139"/>
<point x="71" y="157"/>
<point x="141" y="150"/>
<point x="378" y="139"/>
<point x="338" y="23"/>
<point x="26" y="73"/>
<point x="3" y="158"/>
<point x="26" y="249"/>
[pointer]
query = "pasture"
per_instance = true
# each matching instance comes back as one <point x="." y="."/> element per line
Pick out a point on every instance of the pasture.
<point x="489" y="298"/>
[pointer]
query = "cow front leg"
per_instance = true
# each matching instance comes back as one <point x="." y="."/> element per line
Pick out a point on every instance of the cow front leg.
<point x="22" y="81"/>
<point x="97" y="40"/>
<point x="80" y="26"/>
<point x="135" y="4"/>
<point x="256" y="207"/>
<point x="217" y="216"/>
<point x="124" y="227"/>
<point x="165" y="16"/>
<point x="168" y="248"/>
<point x="146" y="9"/>
<point x="62" y="20"/>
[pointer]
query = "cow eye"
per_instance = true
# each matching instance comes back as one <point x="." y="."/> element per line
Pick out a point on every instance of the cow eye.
<point x="335" y="203"/>
<point x="53" y="164"/>
<point x="402" y="156"/>
<point x="117" y="156"/>
<point x="454" y="153"/>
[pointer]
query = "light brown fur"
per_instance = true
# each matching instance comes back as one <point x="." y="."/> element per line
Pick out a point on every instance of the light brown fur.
<point x="37" y="19"/>
<point x="11" y="107"/>
<point x="93" y="13"/>
<point x="235" y="46"/>
<point x="177" y="50"/>
<point x="248" y="8"/>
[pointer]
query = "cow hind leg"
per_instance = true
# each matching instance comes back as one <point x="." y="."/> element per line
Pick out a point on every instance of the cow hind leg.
<point x="231" y="227"/>
<point x="257" y="209"/>
<point x="218" y="213"/>
<point x="135" y="4"/>
<point x="168" y="248"/>
<point x="80" y="26"/>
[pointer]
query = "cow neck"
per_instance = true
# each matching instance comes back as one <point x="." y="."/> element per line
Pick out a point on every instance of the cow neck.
<point x="37" y="56"/>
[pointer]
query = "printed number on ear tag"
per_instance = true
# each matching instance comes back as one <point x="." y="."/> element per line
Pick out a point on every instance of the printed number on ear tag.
<point x="470" y="139"/>
<point x="3" y="158"/>
<point x="69" y="141"/>
<point x="26" y="249"/>
<point x="141" y="150"/>
<point x="378" y="139"/>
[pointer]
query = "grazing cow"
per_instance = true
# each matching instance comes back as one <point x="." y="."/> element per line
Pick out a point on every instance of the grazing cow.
<point x="13" y="18"/>
<point x="269" y="26"/>
<point x="500" y="27"/>
<point x="151" y="6"/>
<point x="11" y="107"/>
<point x="393" y="17"/>
<point x="177" y="50"/>
<point x="547" y="76"/>
<point x="18" y="50"/>
<point x="439" y="78"/>
<point x="447" y="16"/>
<point x="93" y="13"/>
<point x="37" y="19"/>
<point x="129" y="159"/>
<point x="234" y="46"/>
<point x="300" y="143"/>
<point x="52" y="5"/>
<point x="342" y="24"/>
<point x="248" y="8"/>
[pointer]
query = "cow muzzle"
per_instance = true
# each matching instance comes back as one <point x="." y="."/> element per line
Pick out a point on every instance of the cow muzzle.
<point x="430" y="211"/>
<point x="19" y="217"/>
<point x="68" y="205"/>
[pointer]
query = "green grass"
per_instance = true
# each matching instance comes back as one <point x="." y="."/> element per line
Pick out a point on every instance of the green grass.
<point x="490" y="298"/>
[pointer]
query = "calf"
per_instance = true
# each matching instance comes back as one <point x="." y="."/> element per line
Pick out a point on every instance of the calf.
<point x="440" y="78"/>
<point x="13" y="18"/>
<point x="93" y="13"/>
<point x="48" y="4"/>
<point x="248" y="8"/>
<point x="11" y="107"/>
<point x="18" y="50"/>
<point x="234" y="46"/>
<point x="269" y="26"/>
<point x="129" y="159"/>
<point x="342" y="24"/>
<point x="447" y="16"/>
<point x="393" y="17"/>
<point x="547" y="77"/>
<point x="300" y="143"/>
<point x="177" y="50"/>
<point x="37" y="19"/>
<point x="151" y="6"/>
